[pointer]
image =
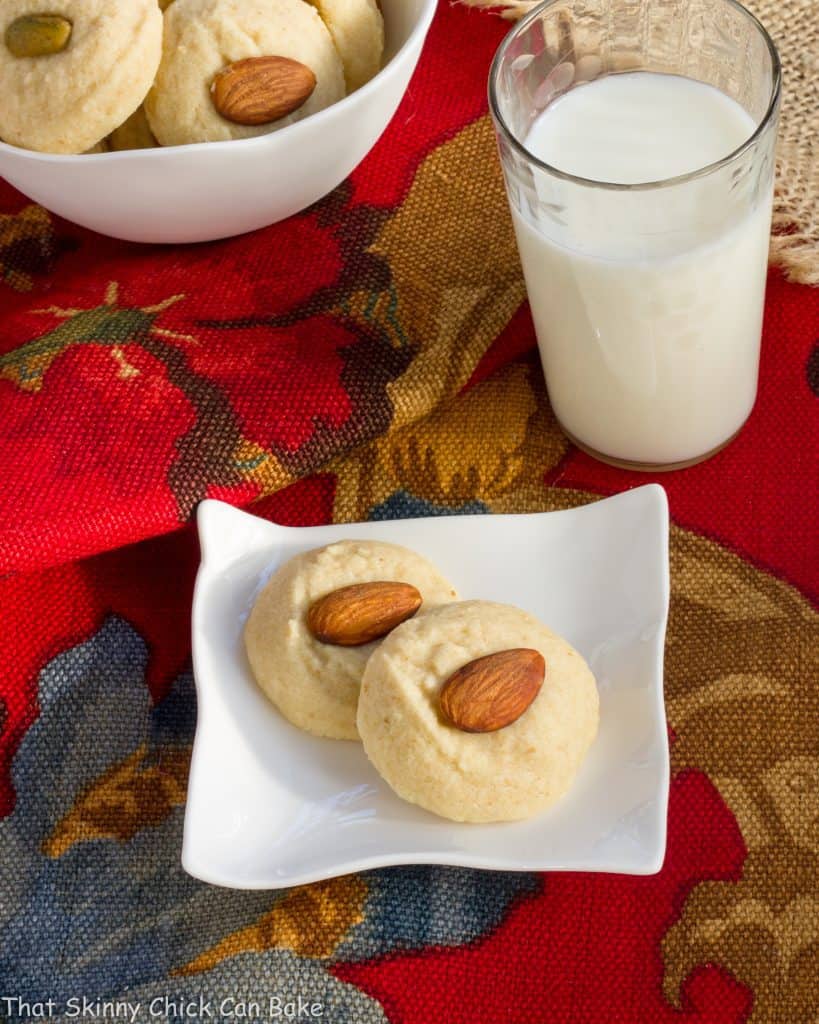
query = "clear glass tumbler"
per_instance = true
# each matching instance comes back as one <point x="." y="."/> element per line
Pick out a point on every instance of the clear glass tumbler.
<point x="647" y="299"/>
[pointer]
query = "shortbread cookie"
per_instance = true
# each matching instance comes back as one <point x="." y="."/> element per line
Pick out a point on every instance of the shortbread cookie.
<point x="72" y="70"/>
<point x="313" y="683"/>
<point x="203" y="37"/>
<point x="135" y="133"/>
<point x="357" y="29"/>
<point x="513" y="772"/>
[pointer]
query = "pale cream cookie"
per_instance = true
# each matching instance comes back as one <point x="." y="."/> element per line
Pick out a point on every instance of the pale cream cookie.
<point x="203" y="37"/>
<point x="135" y="133"/>
<point x="72" y="70"/>
<point x="507" y="774"/>
<point x="316" y="684"/>
<point x="357" y="28"/>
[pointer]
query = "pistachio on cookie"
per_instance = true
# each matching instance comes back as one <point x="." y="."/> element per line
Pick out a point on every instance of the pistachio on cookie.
<point x="71" y="74"/>
<point x="38" y="35"/>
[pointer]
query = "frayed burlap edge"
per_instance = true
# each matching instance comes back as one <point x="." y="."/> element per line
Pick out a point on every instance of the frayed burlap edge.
<point x="794" y="27"/>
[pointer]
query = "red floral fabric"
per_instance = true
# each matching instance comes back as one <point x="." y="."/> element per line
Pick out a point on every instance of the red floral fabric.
<point x="375" y="356"/>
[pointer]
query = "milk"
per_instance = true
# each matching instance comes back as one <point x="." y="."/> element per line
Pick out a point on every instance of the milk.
<point x="647" y="303"/>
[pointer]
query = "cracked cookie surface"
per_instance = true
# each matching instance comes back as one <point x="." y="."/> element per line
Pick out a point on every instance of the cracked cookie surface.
<point x="316" y="685"/>
<point x="512" y="773"/>
<point x="203" y="37"/>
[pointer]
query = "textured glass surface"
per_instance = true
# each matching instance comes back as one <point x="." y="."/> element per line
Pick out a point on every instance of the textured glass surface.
<point x="561" y="45"/>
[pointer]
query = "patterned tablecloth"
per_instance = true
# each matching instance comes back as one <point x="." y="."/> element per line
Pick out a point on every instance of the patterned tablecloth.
<point x="372" y="358"/>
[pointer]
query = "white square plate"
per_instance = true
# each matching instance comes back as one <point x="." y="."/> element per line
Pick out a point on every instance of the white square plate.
<point x="270" y="806"/>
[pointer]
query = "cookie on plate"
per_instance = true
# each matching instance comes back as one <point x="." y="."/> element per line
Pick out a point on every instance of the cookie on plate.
<point x="71" y="71"/>
<point x="357" y="28"/>
<point x="505" y="739"/>
<point x="311" y="673"/>
<point x="205" y="39"/>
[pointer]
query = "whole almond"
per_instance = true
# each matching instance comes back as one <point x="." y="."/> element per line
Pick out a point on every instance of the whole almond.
<point x="38" y="35"/>
<point x="259" y="90"/>
<point x="362" y="612"/>
<point x="492" y="692"/>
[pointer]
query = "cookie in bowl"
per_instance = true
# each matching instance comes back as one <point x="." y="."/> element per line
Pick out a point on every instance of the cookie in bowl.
<point x="135" y="133"/>
<point x="321" y="616"/>
<point x="477" y="712"/>
<point x="357" y="28"/>
<point x="233" y="69"/>
<point x="71" y="71"/>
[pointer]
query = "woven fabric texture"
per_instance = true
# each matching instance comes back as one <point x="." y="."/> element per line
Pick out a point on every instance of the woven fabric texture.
<point x="372" y="358"/>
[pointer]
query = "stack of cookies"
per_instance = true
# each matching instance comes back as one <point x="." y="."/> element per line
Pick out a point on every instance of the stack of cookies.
<point x="81" y="76"/>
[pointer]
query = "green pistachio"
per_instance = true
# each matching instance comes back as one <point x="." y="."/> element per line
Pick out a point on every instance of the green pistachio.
<point x="38" y="35"/>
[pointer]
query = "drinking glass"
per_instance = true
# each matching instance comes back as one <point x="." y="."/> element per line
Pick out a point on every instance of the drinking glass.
<point x="647" y="299"/>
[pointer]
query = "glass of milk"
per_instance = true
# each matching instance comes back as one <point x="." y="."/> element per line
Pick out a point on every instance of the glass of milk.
<point x="637" y="143"/>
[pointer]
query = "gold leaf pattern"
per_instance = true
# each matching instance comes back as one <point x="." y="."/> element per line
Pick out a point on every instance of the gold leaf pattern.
<point x="457" y="287"/>
<point x="137" y="793"/>
<point x="310" y="920"/>
<point x="471" y="448"/>
<point x="742" y="712"/>
<point x="496" y="438"/>
<point x="26" y="240"/>
<point x="261" y="466"/>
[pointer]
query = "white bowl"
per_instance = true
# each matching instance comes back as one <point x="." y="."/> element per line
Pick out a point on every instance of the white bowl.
<point x="270" y="806"/>
<point x="213" y="190"/>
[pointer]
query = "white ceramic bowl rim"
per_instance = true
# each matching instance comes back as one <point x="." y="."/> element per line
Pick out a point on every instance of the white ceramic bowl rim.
<point x="415" y="37"/>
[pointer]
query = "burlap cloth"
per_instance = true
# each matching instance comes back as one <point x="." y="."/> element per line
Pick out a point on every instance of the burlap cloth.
<point x="373" y="358"/>
<point x="794" y="27"/>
